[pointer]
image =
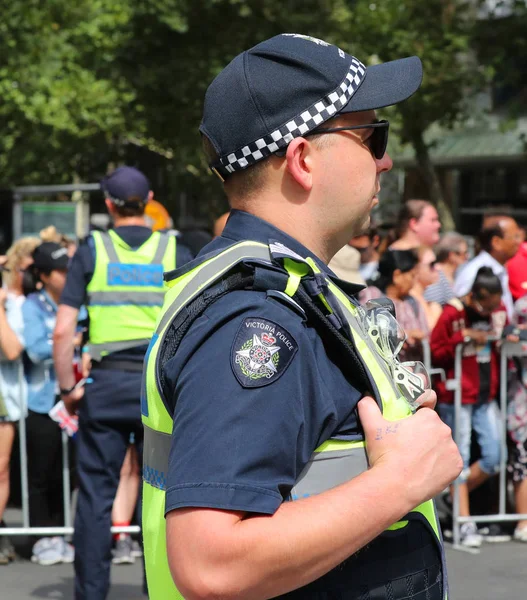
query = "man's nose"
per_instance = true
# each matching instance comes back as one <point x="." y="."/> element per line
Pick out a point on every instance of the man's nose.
<point x="384" y="164"/>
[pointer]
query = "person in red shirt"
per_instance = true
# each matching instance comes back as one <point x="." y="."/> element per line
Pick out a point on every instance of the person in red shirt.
<point x="471" y="321"/>
<point x="517" y="268"/>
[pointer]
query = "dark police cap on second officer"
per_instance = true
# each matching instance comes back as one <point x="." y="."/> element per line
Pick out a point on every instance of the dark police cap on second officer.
<point x="287" y="86"/>
<point x="126" y="186"/>
<point x="50" y="256"/>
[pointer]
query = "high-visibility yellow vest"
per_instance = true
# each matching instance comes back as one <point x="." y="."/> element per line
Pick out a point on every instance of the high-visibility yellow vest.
<point x="126" y="292"/>
<point x="349" y="459"/>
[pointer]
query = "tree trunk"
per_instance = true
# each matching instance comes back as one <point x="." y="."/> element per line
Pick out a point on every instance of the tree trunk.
<point x="427" y="170"/>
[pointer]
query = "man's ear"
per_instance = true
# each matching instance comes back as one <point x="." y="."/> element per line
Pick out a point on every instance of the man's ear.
<point x="300" y="162"/>
<point x="110" y="207"/>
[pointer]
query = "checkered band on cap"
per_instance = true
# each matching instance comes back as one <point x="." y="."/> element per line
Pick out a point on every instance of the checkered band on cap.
<point x="308" y="120"/>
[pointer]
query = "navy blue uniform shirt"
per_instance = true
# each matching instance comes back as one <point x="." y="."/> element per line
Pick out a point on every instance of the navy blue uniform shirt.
<point x="256" y="393"/>
<point x="80" y="270"/>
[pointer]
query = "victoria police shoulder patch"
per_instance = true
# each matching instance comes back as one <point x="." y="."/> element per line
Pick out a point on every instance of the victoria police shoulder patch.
<point x="261" y="352"/>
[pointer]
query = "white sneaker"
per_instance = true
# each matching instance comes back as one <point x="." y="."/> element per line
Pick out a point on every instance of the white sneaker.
<point x="68" y="552"/>
<point x="48" y="551"/>
<point x="520" y="534"/>
<point x="470" y="536"/>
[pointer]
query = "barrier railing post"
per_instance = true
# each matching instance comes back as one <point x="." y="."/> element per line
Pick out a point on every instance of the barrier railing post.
<point x="427" y="360"/>
<point x="427" y="354"/>
<point x="22" y="438"/>
<point x="457" y="417"/>
<point x="503" y="425"/>
<point x="66" y="480"/>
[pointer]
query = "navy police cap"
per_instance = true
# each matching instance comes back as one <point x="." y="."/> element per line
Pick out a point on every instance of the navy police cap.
<point x="288" y="85"/>
<point x="126" y="185"/>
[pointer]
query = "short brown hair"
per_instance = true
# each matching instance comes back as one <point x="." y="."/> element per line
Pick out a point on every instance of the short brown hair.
<point x="241" y="183"/>
<point x="246" y="183"/>
<point x="411" y="209"/>
<point x="136" y="208"/>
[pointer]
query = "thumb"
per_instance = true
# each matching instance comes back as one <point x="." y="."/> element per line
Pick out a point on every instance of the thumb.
<point x="370" y="415"/>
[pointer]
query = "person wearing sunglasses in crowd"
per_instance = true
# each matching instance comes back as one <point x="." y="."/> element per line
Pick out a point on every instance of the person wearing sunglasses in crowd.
<point x="237" y="400"/>
<point x="471" y="321"/>
<point x="13" y="388"/>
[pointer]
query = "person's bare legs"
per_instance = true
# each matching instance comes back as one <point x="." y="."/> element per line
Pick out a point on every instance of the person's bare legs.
<point x="7" y="435"/>
<point x="477" y="476"/>
<point x="464" y="506"/>
<point x="520" y="493"/>
<point x="127" y="492"/>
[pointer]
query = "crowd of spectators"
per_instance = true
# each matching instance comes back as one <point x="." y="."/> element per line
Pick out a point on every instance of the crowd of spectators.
<point x="441" y="298"/>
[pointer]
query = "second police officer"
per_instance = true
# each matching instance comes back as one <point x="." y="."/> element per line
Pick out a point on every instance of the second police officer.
<point x="262" y="393"/>
<point x="118" y="275"/>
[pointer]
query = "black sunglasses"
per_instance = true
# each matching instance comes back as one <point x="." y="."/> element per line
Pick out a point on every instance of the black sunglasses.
<point x="377" y="141"/>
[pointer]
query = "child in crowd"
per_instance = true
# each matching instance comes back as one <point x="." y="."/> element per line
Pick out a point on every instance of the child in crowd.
<point x="471" y="321"/>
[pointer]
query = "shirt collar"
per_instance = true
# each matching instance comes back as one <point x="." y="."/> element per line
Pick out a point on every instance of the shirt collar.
<point x="48" y="300"/>
<point x="492" y="262"/>
<point x="245" y="226"/>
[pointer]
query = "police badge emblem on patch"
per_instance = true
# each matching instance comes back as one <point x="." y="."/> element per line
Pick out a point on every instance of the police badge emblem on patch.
<point x="261" y="352"/>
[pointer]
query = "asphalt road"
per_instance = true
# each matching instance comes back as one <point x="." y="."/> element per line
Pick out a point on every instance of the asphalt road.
<point x="499" y="572"/>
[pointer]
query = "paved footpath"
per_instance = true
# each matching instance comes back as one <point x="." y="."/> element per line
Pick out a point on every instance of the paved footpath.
<point x="499" y="572"/>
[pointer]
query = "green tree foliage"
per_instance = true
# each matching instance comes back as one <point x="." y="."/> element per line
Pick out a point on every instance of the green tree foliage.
<point x="440" y="33"/>
<point x="89" y="82"/>
<point x="60" y="96"/>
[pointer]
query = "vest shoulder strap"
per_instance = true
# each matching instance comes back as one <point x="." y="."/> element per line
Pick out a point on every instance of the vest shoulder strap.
<point x="107" y="240"/>
<point x="164" y="240"/>
<point x="261" y="276"/>
<point x="108" y="246"/>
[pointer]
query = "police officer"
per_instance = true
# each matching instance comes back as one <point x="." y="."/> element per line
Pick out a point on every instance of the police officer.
<point x="118" y="275"/>
<point x="260" y="392"/>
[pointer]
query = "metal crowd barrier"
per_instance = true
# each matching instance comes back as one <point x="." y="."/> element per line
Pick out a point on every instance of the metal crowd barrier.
<point x="508" y="350"/>
<point x="427" y="361"/>
<point x="26" y="528"/>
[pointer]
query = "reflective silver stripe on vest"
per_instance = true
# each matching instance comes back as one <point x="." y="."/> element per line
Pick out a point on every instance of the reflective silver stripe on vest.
<point x="109" y="247"/>
<point x="97" y="350"/>
<point x="132" y="297"/>
<point x="162" y="246"/>
<point x="326" y="470"/>
<point x="213" y="270"/>
<point x="164" y="239"/>
<point x="156" y="448"/>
